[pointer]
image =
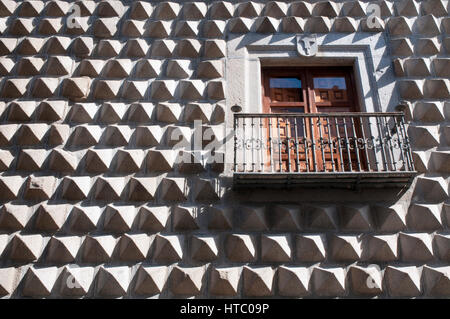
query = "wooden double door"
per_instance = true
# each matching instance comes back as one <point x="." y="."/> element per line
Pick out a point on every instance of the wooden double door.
<point x="310" y="143"/>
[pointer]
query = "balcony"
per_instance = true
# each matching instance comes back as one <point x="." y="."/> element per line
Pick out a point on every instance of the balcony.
<point x="333" y="150"/>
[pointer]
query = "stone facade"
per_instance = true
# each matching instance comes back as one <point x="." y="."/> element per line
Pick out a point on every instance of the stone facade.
<point x="95" y="203"/>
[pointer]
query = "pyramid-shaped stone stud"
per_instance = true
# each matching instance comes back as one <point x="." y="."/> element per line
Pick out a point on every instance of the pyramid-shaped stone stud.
<point x="293" y="25"/>
<point x="84" y="219"/>
<point x="112" y="281"/>
<point x="159" y="29"/>
<point x="266" y="25"/>
<point x="76" y="281"/>
<point x="30" y="66"/>
<point x="206" y="190"/>
<point x="58" y="134"/>
<point x="82" y="112"/>
<point x="427" y="46"/>
<point x="150" y="135"/>
<point x="76" y="88"/>
<point x="249" y="9"/>
<point x="20" y="111"/>
<point x="134" y="247"/>
<point x="15" y="88"/>
<point x="430" y="112"/>
<point x="440" y="160"/>
<point x="51" y="110"/>
<point x="186" y="29"/>
<point x="7" y="280"/>
<point x="57" y="8"/>
<point x="204" y="248"/>
<point x="328" y="282"/>
<point x="390" y="217"/>
<point x="98" y="160"/>
<point x="108" y="188"/>
<point x="117" y="135"/>
<point x="167" y="10"/>
<point x="220" y="10"/>
<point x="162" y="48"/>
<point x="436" y="281"/>
<point x="239" y="25"/>
<point x="214" y="49"/>
<point x="275" y="9"/>
<point x="112" y="113"/>
<point x="105" y="27"/>
<point x="28" y="46"/>
<point x="118" y="68"/>
<point x="293" y="281"/>
<point x="258" y="281"/>
<point x="416" y="247"/>
<point x="188" y="48"/>
<point x="25" y="248"/>
<point x="428" y="25"/>
<point x="108" y="48"/>
<point x="63" y="249"/>
<point x="129" y="161"/>
<point x="168" y="249"/>
<point x="192" y="90"/>
<point x="10" y="186"/>
<point x="141" y="113"/>
<point x="321" y="217"/>
<point x="31" y="134"/>
<point x="411" y="89"/>
<point x="7" y="45"/>
<point x="39" y="282"/>
<point x="326" y="8"/>
<point x="134" y="90"/>
<point x="62" y="161"/>
<point x="153" y="218"/>
<point x="142" y="189"/>
<point x="381" y="248"/>
<point x="30" y="8"/>
<point x="147" y="68"/>
<point x="187" y="281"/>
<point x="173" y="189"/>
<point x="434" y="7"/>
<point x="58" y="45"/>
<point x="356" y="217"/>
<point x="402" y="281"/>
<point x="107" y="90"/>
<point x="240" y="248"/>
<point x="39" y="187"/>
<point x="178" y="69"/>
<point x="189" y="162"/>
<point x="318" y="24"/>
<point x="213" y="28"/>
<point x="98" y="249"/>
<point x="345" y="24"/>
<point x="407" y="8"/>
<point x="119" y="219"/>
<point x="50" y="218"/>
<point x="224" y="281"/>
<point x="14" y="217"/>
<point x="437" y="89"/>
<point x="194" y="10"/>
<point x="6" y="159"/>
<point x="59" y="65"/>
<point x="344" y="248"/>
<point x="285" y="218"/>
<point x="163" y="90"/>
<point x="400" y="26"/>
<point x="110" y="8"/>
<point x="210" y="69"/>
<point x="150" y="280"/>
<point x="168" y="112"/>
<point x="424" y="136"/>
<point x="354" y="9"/>
<point x="220" y="217"/>
<point x="252" y="218"/>
<point x="421" y="160"/>
<point x="417" y="67"/>
<point x="137" y="48"/>
<point x="198" y="111"/>
<point x="7" y="131"/>
<point x="442" y="244"/>
<point x="185" y="218"/>
<point x="7" y="7"/>
<point x="140" y="10"/>
<point x="21" y="27"/>
<point x="365" y="281"/>
<point x="160" y="160"/>
<point x="310" y="248"/>
<point x="275" y="248"/>
<point x="425" y="217"/>
<point x="133" y="28"/>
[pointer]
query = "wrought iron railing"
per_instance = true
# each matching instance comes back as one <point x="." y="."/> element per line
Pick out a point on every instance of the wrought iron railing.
<point x="321" y="143"/>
